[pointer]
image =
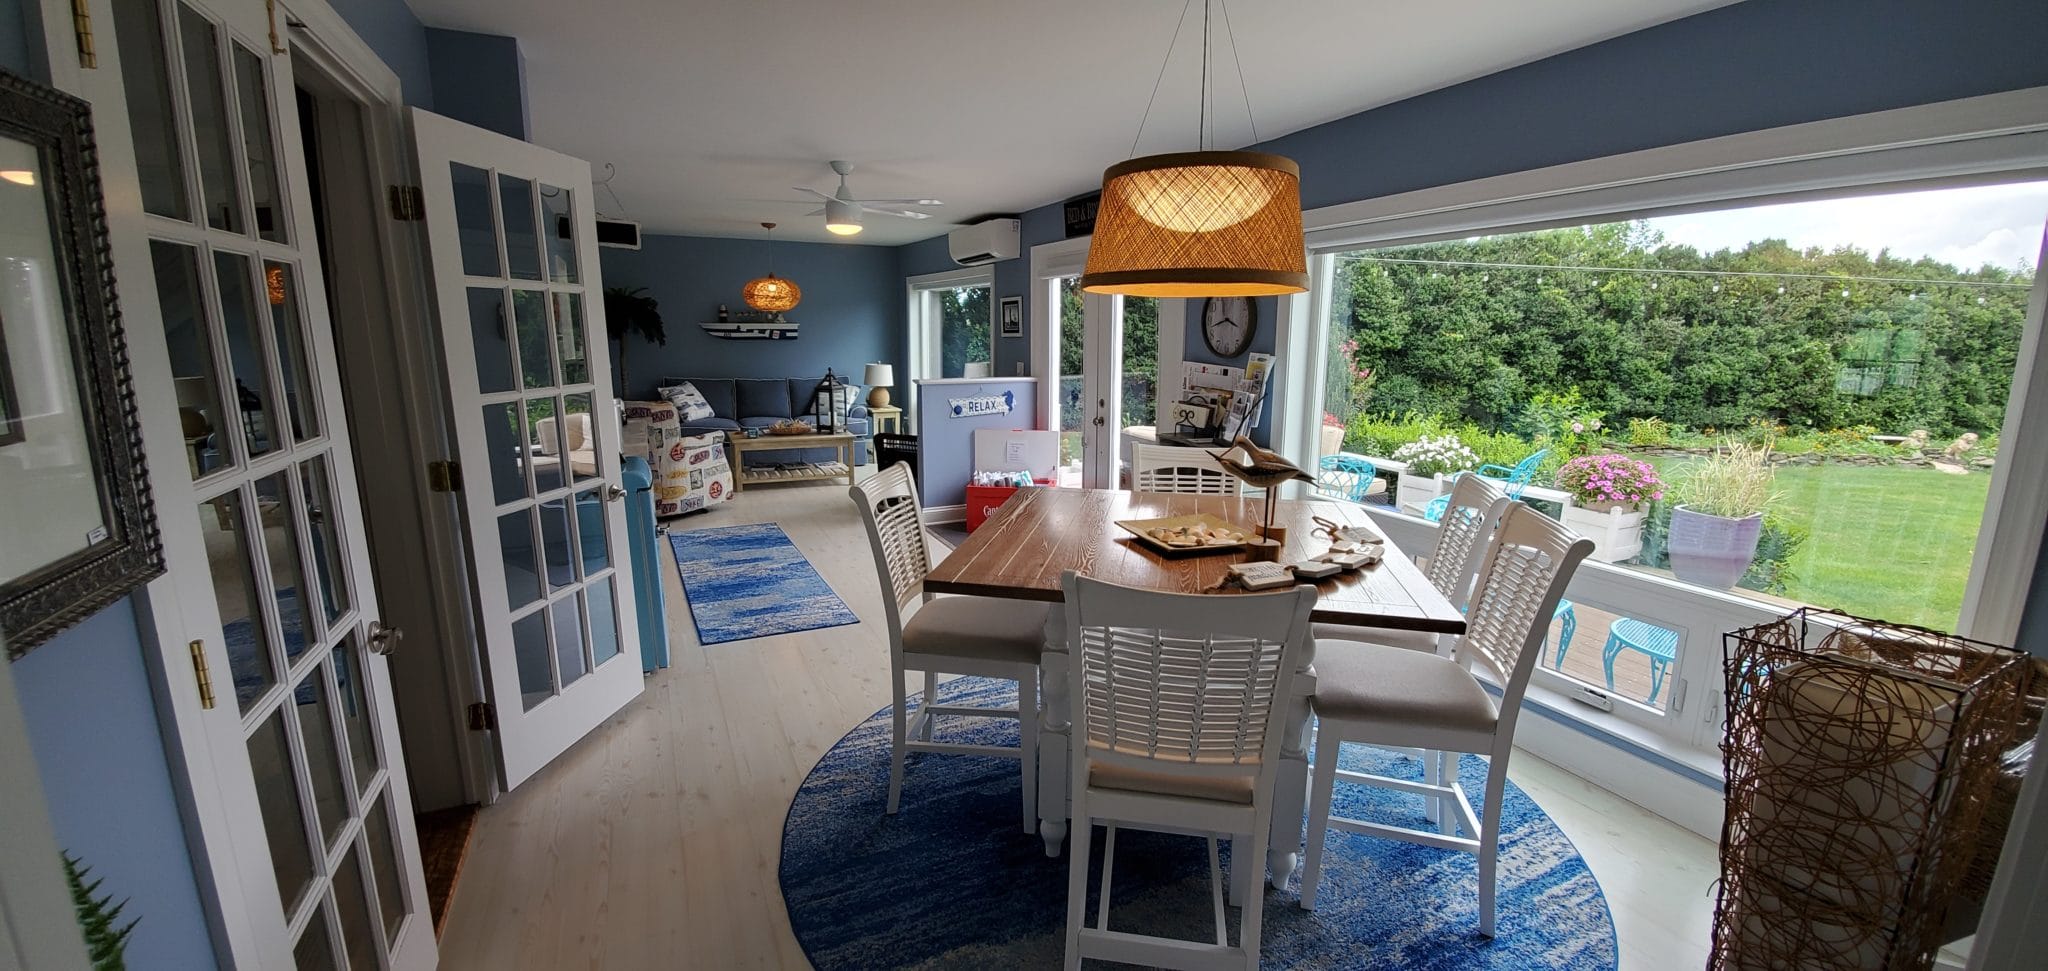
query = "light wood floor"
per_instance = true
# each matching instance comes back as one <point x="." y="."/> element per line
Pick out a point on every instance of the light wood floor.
<point x="654" y="842"/>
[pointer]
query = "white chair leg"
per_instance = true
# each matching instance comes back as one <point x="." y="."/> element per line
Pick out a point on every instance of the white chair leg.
<point x="1322" y="783"/>
<point x="1432" y="771"/>
<point x="1489" y="842"/>
<point x="1447" y="774"/>
<point x="1027" y="738"/>
<point x="931" y="697"/>
<point x="1253" y="915"/>
<point x="1077" y="882"/>
<point x="1245" y="872"/>
<point x="897" y="749"/>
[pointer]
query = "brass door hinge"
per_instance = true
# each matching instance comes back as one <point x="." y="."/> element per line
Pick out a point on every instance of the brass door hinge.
<point x="483" y="717"/>
<point x="408" y="203"/>
<point x="201" y="674"/>
<point x="81" y="24"/>
<point x="444" y="475"/>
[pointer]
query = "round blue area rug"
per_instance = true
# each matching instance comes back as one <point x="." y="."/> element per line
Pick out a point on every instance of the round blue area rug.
<point x="952" y="881"/>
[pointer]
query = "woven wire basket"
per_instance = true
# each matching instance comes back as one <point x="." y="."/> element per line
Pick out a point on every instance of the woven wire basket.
<point x="1859" y="757"/>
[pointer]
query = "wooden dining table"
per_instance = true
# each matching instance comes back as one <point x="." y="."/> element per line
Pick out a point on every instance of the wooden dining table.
<point x="1040" y="533"/>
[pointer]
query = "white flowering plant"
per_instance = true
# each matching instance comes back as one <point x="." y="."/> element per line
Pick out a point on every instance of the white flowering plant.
<point x="1436" y="455"/>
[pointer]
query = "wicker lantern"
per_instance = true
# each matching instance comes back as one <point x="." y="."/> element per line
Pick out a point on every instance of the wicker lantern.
<point x="771" y="293"/>
<point x="1203" y="223"/>
<point x="1224" y="224"/>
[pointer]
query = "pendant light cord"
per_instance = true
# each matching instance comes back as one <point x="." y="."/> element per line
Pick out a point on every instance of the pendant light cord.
<point x="1168" y="59"/>
<point x="1202" y="95"/>
<point x="1242" y="86"/>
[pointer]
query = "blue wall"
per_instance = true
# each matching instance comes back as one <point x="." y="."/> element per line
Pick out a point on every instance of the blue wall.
<point x="945" y="459"/>
<point x="851" y="314"/>
<point x="92" y="724"/>
<point x="1746" y="67"/>
<point x="480" y="79"/>
<point x="395" y="34"/>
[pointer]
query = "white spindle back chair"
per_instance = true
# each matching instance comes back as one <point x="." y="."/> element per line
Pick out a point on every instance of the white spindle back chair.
<point x="1525" y="569"/>
<point x="1175" y="730"/>
<point x="1176" y="468"/>
<point x="889" y="507"/>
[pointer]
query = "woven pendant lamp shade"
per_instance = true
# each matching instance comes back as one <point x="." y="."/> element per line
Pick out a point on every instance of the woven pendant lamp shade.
<point x="1199" y="224"/>
<point x="771" y="293"/>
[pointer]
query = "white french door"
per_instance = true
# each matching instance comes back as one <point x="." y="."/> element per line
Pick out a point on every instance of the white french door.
<point x="1109" y="354"/>
<point x="305" y="824"/>
<point x="514" y="249"/>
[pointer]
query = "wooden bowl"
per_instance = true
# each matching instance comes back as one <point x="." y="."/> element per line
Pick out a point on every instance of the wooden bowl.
<point x="793" y="428"/>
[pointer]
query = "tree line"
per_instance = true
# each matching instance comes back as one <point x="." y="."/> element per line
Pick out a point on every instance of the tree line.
<point x="1477" y="328"/>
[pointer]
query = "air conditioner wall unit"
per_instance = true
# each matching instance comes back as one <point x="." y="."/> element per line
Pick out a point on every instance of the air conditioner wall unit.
<point x="984" y="242"/>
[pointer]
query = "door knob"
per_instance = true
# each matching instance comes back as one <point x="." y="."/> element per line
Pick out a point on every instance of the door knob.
<point x="384" y="640"/>
<point x="613" y="493"/>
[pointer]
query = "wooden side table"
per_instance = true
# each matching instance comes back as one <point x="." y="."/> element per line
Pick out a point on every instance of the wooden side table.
<point x="742" y="476"/>
<point x="887" y="413"/>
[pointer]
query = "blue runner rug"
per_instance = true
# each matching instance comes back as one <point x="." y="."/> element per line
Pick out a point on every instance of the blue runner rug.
<point x="950" y="882"/>
<point x="750" y="581"/>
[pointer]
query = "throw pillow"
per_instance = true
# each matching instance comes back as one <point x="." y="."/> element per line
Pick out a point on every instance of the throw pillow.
<point x="688" y="401"/>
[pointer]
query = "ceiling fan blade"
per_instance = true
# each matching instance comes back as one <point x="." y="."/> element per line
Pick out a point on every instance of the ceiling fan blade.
<point x="903" y="213"/>
<point x="815" y="212"/>
<point x="805" y="188"/>
<point x="899" y="202"/>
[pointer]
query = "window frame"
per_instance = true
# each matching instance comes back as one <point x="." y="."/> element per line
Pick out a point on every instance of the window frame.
<point x="1994" y="138"/>
<point x="924" y="317"/>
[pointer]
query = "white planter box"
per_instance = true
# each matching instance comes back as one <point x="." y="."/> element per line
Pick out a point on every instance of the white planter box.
<point x="1617" y="534"/>
<point x="1416" y="490"/>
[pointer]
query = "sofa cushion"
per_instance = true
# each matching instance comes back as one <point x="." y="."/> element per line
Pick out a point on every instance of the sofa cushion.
<point x="718" y="393"/>
<point x="760" y="397"/>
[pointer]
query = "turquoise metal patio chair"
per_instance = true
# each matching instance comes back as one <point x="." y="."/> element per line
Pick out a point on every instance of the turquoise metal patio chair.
<point x="1515" y="479"/>
<point x="1652" y="641"/>
<point x="1351" y="477"/>
<point x="1570" y="618"/>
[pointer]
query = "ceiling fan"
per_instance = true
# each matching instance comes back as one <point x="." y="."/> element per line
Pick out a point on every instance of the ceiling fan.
<point x="842" y="211"/>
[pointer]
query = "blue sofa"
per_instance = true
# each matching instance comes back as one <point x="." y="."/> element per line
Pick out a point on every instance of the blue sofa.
<point x="741" y="403"/>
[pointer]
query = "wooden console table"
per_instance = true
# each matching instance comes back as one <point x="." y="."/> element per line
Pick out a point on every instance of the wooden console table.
<point x="743" y="476"/>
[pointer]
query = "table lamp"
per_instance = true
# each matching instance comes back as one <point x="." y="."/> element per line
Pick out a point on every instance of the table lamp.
<point x="879" y="377"/>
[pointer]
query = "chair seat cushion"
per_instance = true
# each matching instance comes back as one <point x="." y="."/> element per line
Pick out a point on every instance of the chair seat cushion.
<point x="1230" y="789"/>
<point x="1400" y="691"/>
<point x="1412" y="640"/>
<point x="984" y="628"/>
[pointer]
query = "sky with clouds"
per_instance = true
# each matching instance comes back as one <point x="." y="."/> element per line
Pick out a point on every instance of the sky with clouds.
<point x="1968" y="227"/>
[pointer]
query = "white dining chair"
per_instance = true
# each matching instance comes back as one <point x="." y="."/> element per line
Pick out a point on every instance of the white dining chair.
<point x="1461" y="536"/>
<point x="985" y="636"/>
<point x="1381" y="695"/>
<point x="1176" y="468"/>
<point x="1175" y="731"/>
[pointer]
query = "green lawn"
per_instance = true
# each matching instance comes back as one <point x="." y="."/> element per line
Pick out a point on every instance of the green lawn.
<point x="1889" y="542"/>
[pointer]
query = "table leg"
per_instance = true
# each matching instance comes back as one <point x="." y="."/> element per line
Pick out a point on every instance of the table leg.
<point x="1055" y="724"/>
<point x="1290" y="783"/>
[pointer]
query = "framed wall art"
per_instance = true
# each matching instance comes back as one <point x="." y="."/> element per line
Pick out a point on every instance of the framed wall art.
<point x="80" y="532"/>
<point x="1012" y="316"/>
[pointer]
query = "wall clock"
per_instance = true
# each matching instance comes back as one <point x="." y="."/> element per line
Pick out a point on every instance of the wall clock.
<point x="1228" y="324"/>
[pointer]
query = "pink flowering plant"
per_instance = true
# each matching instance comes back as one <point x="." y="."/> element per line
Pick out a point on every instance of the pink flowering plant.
<point x="1599" y="481"/>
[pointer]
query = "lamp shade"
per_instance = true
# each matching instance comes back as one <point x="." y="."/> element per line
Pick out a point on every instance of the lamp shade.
<point x="771" y="293"/>
<point x="1196" y="224"/>
<point x="842" y="218"/>
<point x="879" y="375"/>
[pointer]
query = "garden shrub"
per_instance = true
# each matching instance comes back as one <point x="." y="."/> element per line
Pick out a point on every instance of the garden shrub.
<point x="1648" y="432"/>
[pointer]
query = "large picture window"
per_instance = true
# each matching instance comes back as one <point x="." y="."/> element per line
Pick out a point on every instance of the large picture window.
<point x="1842" y="366"/>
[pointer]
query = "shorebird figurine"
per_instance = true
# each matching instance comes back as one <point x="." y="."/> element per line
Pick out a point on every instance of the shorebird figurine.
<point x="1261" y="469"/>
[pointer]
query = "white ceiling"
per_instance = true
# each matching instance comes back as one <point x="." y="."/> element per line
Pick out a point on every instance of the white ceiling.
<point x="712" y="110"/>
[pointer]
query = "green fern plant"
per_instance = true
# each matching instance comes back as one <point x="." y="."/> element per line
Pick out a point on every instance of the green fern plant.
<point x="97" y="916"/>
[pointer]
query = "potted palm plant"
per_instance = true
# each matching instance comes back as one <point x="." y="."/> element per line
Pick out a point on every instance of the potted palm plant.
<point x="1429" y="459"/>
<point x="1609" y="494"/>
<point x="1720" y="515"/>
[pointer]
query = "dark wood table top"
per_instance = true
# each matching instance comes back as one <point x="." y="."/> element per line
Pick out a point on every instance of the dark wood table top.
<point x="1040" y="533"/>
